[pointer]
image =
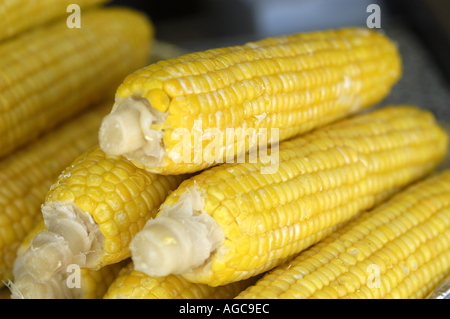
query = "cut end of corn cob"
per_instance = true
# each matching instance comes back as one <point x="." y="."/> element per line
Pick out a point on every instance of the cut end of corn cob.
<point x="91" y="284"/>
<point x="72" y="238"/>
<point x="128" y="131"/>
<point x="179" y="240"/>
<point x="24" y="286"/>
<point x="27" y="288"/>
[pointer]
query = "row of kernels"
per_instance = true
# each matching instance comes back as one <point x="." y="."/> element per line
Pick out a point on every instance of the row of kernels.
<point x="204" y="89"/>
<point x="211" y="120"/>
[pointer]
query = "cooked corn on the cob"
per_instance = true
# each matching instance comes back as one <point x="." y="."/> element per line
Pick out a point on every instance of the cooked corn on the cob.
<point x="292" y="84"/>
<point x="133" y="284"/>
<point x="92" y="284"/>
<point x="234" y="221"/>
<point x="21" y="15"/>
<point x="27" y="174"/>
<point x="50" y="74"/>
<point x="401" y="249"/>
<point x="93" y="211"/>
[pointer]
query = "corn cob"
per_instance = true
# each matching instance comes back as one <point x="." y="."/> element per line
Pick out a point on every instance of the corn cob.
<point x="27" y="174"/>
<point x="92" y="284"/>
<point x="133" y="284"/>
<point x="291" y="84"/>
<point x="93" y="211"/>
<point x="50" y="74"/>
<point x="234" y="221"/>
<point x="17" y="16"/>
<point x="401" y="249"/>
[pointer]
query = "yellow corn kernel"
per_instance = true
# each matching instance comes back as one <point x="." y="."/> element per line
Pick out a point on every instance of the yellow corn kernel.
<point x="425" y="204"/>
<point x="269" y="229"/>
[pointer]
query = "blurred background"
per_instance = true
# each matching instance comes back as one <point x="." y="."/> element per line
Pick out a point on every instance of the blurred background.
<point x="420" y="27"/>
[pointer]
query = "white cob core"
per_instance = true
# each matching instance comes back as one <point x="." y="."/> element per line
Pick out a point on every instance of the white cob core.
<point x="180" y="239"/>
<point x="127" y="131"/>
<point x="72" y="237"/>
<point x="27" y="288"/>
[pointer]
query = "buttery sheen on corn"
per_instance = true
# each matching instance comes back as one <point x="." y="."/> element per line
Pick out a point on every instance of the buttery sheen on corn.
<point x="133" y="284"/>
<point x="399" y="250"/>
<point x="27" y="174"/>
<point x="93" y="284"/>
<point x="17" y="16"/>
<point x="93" y="211"/>
<point x="291" y="83"/>
<point x="244" y="222"/>
<point x="51" y="73"/>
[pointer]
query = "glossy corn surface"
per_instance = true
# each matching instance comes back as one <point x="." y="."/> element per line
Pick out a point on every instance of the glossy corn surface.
<point x="50" y="74"/>
<point x="22" y="15"/>
<point x="292" y="83"/>
<point x="133" y="284"/>
<point x="400" y="250"/>
<point x="322" y="179"/>
<point x="27" y="174"/>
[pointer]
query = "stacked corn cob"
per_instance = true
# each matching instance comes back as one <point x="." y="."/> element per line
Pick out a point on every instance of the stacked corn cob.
<point x="234" y="221"/>
<point x="292" y="84"/>
<point x="219" y="229"/>
<point x="45" y="72"/>
<point x="21" y="194"/>
<point x="399" y="250"/>
<point x="49" y="74"/>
